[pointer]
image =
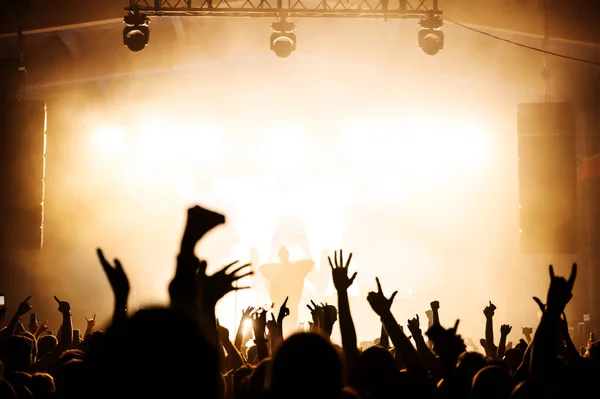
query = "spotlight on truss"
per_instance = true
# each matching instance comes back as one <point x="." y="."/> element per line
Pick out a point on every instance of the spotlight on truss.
<point x="136" y="34"/>
<point x="283" y="39"/>
<point x="431" y="37"/>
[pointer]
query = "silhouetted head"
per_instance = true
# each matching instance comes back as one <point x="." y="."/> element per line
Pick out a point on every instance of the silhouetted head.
<point x="71" y="379"/>
<point x="259" y="379"/>
<point x="284" y="255"/>
<point x="513" y="358"/>
<point x="306" y="365"/>
<point x="240" y="389"/>
<point x="18" y="378"/>
<point x="23" y="392"/>
<point x="157" y="353"/>
<point x="7" y="391"/>
<point x="469" y="364"/>
<point x="42" y="386"/>
<point x="71" y="354"/>
<point x="16" y="353"/>
<point x="492" y="382"/>
<point x="93" y="339"/>
<point x="531" y="389"/>
<point x="46" y="344"/>
<point x="377" y="372"/>
<point x="34" y="348"/>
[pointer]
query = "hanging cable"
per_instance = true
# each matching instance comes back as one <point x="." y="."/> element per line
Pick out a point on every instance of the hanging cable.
<point x="567" y="57"/>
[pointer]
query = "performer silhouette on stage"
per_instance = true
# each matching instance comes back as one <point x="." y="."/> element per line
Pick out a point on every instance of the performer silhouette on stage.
<point x="286" y="279"/>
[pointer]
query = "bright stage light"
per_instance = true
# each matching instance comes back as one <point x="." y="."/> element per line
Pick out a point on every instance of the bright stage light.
<point x="416" y="148"/>
<point x="283" y="150"/>
<point x="153" y="149"/>
<point x="370" y="143"/>
<point x="247" y="326"/>
<point x="462" y="145"/>
<point x="108" y="139"/>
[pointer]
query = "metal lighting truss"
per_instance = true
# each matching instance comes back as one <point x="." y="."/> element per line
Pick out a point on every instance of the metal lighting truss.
<point x="365" y="9"/>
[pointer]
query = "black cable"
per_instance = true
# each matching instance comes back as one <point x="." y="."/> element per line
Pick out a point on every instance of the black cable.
<point x="521" y="44"/>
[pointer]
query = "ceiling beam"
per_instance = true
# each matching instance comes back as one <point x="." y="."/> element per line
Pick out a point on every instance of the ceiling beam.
<point x="574" y="20"/>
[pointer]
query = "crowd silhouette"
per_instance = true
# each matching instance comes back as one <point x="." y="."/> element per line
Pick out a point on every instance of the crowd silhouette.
<point x="181" y="351"/>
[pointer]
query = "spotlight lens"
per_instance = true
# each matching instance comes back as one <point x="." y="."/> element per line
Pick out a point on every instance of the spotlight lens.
<point x="136" y="40"/>
<point x="431" y="44"/>
<point x="283" y="47"/>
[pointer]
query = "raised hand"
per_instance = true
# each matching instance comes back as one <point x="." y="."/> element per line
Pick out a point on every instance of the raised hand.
<point x="91" y="323"/>
<point x="330" y="314"/>
<point x="414" y="325"/>
<point x="215" y="287"/>
<point x="339" y="271"/>
<point x="284" y="311"/>
<point x="247" y="313"/>
<point x="116" y="277"/>
<point x="435" y="305"/>
<point x="64" y="307"/>
<point x="317" y="313"/>
<point x="505" y="329"/>
<point x="489" y="310"/>
<point x="24" y="307"/>
<point x="483" y="343"/>
<point x="560" y="290"/>
<point x="199" y="222"/>
<point x="33" y="326"/>
<point x="223" y="333"/>
<point x="379" y="303"/>
<point x="259" y="324"/>
<point x="43" y="328"/>
<point x="446" y="342"/>
<point x="272" y="325"/>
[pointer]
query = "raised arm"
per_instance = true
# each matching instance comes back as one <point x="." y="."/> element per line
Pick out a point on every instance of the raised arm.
<point x="505" y="329"/>
<point x="284" y="312"/>
<point x="382" y="306"/>
<point x="259" y="325"/>
<point x="66" y="337"/>
<point x="90" y="326"/>
<point x="234" y="359"/>
<point x="120" y="286"/>
<point x="491" y="349"/>
<point x="23" y="308"/>
<point x="341" y="281"/>
<point x="239" y="336"/>
<point x="543" y="347"/>
<point x="427" y="357"/>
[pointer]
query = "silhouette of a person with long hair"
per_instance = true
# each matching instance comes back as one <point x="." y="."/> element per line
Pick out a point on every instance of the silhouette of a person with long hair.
<point x="285" y="279"/>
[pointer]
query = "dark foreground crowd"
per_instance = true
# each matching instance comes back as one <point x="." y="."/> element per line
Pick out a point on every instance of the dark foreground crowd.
<point x="182" y="352"/>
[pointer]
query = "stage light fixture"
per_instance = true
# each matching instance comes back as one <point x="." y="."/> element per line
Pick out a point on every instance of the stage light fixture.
<point x="431" y="37"/>
<point x="283" y="39"/>
<point x="136" y="34"/>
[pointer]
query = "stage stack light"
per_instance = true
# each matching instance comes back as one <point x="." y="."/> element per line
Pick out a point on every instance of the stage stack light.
<point x="136" y="34"/>
<point x="283" y="39"/>
<point x="431" y="37"/>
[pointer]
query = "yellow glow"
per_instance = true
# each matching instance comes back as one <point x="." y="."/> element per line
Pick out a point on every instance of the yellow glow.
<point x="108" y="139"/>
<point x="283" y="150"/>
<point x="247" y="326"/>
<point x="397" y="180"/>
